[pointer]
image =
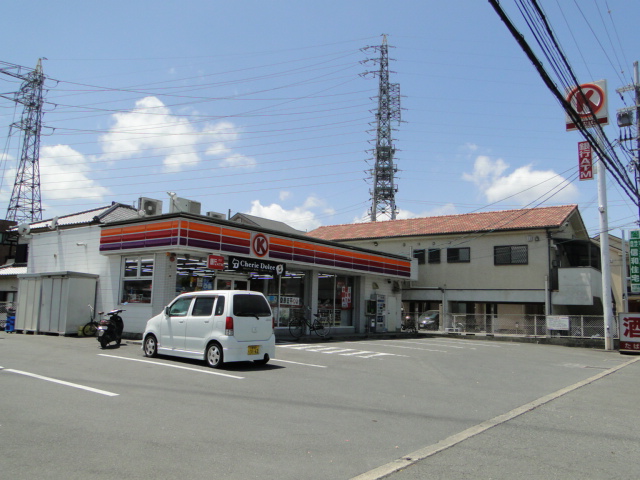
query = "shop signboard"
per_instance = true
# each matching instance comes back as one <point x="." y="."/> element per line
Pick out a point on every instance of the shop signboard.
<point x="215" y="262"/>
<point x="634" y="260"/>
<point x="629" y="324"/>
<point x="251" y="265"/>
<point x="557" y="322"/>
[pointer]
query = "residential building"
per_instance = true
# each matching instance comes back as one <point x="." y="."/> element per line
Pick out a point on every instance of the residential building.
<point x="513" y="263"/>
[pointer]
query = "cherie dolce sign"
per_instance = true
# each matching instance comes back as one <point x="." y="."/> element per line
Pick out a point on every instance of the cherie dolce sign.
<point x="587" y="100"/>
<point x="251" y="265"/>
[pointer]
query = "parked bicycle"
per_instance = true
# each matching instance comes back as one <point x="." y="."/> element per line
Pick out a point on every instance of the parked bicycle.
<point x="91" y="327"/>
<point x="409" y="325"/>
<point x="320" y="325"/>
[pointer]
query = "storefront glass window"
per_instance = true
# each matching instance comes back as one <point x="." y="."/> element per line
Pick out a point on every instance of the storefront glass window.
<point x="136" y="279"/>
<point x="291" y="294"/>
<point x="192" y="274"/>
<point x="335" y="298"/>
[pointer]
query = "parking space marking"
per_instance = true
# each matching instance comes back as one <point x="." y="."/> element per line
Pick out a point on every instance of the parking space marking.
<point x="345" y="352"/>
<point x="172" y="366"/>
<point x="405" y="347"/>
<point x="403" y="462"/>
<point x="60" y="382"/>
<point x="381" y="355"/>
<point x="298" y="363"/>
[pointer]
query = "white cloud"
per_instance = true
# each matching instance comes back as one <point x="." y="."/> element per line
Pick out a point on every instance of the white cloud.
<point x="524" y="185"/>
<point x="151" y="128"/>
<point x="64" y="174"/>
<point x="237" y="160"/>
<point x="303" y="217"/>
<point x="285" y="195"/>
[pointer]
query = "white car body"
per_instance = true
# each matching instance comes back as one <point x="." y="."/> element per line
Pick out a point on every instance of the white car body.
<point x="238" y="323"/>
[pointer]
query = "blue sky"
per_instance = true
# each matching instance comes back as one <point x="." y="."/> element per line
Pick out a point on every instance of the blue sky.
<point x="259" y="107"/>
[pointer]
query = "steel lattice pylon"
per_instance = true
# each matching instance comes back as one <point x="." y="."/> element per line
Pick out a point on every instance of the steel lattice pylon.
<point x="25" y="204"/>
<point x="384" y="188"/>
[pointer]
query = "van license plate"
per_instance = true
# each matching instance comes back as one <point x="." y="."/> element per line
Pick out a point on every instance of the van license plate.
<point x="253" y="349"/>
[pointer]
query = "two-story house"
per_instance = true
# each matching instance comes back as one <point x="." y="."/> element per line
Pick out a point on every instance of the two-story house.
<point x="510" y="264"/>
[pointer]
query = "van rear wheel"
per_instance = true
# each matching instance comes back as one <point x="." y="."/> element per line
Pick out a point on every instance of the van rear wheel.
<point x="213" y="355"/>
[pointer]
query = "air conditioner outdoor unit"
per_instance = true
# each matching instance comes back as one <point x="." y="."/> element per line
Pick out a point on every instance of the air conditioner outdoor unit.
<point x="220" y="216"/>
<point x="150" y="206"/>
<point x="183" y="205"/>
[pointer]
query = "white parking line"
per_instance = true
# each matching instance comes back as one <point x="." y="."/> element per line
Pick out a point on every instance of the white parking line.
<point x="345" y="352"/>
<point x="298" y="363"/>
<point x="409" y="348"/>
<point x="172" y="366"/>
<point x="61" y="382"/>
<point x="382" y="355"/>
<point x="401" y="463"/>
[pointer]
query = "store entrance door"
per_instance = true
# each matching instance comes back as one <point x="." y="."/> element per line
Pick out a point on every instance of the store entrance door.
<point x="230" y="283"/>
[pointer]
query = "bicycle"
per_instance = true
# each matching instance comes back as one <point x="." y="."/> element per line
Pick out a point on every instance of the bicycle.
<point x="320" y="325"/>
<point x="409" y="326"/>
<point x="91" y="327"/>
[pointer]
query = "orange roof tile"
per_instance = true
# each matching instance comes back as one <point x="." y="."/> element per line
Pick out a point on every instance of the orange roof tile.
<point x="532" y="218"/>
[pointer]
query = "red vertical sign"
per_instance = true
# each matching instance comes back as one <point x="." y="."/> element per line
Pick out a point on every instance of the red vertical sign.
<point x="585" y="161"/>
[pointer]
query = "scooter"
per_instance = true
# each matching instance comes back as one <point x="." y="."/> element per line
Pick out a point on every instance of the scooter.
<point x="110" y="329"/>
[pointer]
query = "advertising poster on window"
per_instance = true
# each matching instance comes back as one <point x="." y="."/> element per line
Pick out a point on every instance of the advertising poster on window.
<point x="346" y="298"/>
<point x="629" y="324"/>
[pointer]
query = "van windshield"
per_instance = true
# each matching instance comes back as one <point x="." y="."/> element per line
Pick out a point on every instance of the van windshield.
<point x="250" y="306"/>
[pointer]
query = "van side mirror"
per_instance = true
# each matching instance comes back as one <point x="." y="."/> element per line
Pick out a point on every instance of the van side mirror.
<point x="166" y="310"/>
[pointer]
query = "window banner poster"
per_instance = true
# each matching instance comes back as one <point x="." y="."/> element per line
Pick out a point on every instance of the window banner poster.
<point x="629" y="324"/>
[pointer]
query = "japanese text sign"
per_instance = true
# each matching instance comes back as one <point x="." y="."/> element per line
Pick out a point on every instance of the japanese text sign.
<point x="215" y="262"/>
<point x="585" y="161"/>
<point x="634" y="261"/>
<point x="629" y="332"/>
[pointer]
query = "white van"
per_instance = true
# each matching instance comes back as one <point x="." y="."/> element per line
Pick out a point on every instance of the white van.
<point x="215" y="325"/>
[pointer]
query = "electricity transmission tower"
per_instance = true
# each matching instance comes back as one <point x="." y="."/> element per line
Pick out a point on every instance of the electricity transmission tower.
<point x="25" y="204"/>
<point x="629" y="122"/>
<point x="383" y="201"/>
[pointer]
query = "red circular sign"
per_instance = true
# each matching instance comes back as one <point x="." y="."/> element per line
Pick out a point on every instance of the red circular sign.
<point x="586" y="98"/>
<point x="260" y="245"/>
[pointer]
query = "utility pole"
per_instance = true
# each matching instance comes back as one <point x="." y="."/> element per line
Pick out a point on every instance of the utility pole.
<point x="629" y="123"/>
<point x="26" y="203"/>
<point x="383" y="202"/>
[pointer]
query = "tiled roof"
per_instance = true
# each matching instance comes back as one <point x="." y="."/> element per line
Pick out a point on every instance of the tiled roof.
<point x="533" y="218"/>
<point x="109" y="213"/>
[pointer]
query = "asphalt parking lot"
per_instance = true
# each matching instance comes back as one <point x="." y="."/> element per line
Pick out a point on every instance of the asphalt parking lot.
<point x="405" y="408"/>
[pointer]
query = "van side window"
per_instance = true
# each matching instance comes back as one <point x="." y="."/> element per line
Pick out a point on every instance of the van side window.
<point x="220" y="306"/>
<point x="203" y="306"/>
<point x="250" y="306"/>
<point x="181" y="307"/>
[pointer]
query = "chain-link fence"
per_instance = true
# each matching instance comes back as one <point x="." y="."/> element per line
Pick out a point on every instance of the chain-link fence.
<point x="577" y="326"/>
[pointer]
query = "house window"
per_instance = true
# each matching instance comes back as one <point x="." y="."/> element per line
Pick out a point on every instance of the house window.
<point x="434" y="255"/>
<point x="419" y="254"/>
<point x="458" y="255"/>
<point x="511" y="255"/>
<point x="136" y="279"/>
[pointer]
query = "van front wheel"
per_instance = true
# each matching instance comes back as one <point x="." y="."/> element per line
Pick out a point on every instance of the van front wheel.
<point x="213" y="355"/>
